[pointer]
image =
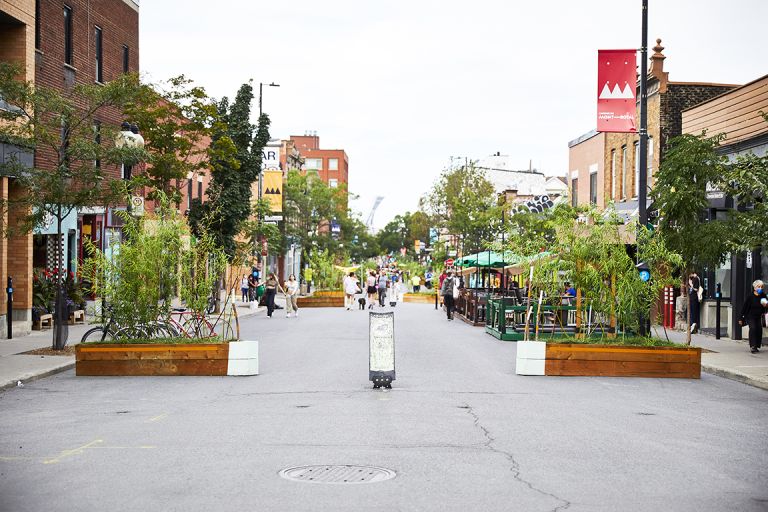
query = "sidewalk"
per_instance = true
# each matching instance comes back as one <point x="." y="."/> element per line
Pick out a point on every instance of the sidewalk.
<point x="16" y="366"/>
<point x="728" y="358"/>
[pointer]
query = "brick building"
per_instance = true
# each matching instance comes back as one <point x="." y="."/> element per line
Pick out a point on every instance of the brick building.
<point x="17" y="44"/>
<point x="61" y="44"/>
<point x="620" y="159"/>
<point x="332" y="165"/>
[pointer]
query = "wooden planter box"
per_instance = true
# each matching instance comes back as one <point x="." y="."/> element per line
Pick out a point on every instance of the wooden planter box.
<point x="315" y="301"/>
<point x="573" y="359"/>
<point x="234" y="358"/>
<point x="328" y="293"/>
<point x="419" y="298"/>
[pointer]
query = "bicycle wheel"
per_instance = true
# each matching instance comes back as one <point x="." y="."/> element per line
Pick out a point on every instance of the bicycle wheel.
<point x="198" y="327"/>
<point x="131" y="333"/>
<point x="163" y="329"/>
<point x="227" y="330"/>
<point x="95" y="335"/>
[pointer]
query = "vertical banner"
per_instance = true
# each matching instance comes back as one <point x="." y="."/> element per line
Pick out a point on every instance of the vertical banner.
<point x="273" y="190"/>
<point x="616" y="87"/>
<point x="381" y="346"/>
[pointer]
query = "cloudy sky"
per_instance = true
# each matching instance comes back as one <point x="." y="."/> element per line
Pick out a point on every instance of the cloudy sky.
<point x="403" y="86"/>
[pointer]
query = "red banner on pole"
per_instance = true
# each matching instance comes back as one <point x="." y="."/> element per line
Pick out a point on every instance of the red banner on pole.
<point x="616" y="90"/>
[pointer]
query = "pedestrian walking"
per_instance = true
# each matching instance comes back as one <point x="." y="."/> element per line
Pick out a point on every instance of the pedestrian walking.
<point x="370" y="285"/>
<point x="244" y="288"/>
<point x="695" y="295"/>
<point x="416" y="283"/>
<point x="447" y="291"/>
<point x="383" y="282"/>
<point x="291" y="296"/>
<point x="350" y="289"/>
<point x="271" y="285"/>
<point x="253" y="282"/>
<point x="753" y="314"/>
<point x="428" y="276"/>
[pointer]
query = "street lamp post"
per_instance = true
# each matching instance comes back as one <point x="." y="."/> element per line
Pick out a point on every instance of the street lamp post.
<point x="261" y="172"/>
<point x="129" y="137"/>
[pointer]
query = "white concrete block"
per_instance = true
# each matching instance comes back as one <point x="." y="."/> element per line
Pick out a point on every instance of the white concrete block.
<point x="531" y="349"/>
<point x="529" y="366"/>
<point x="243" y="358"/>
<point x="530" y="357"/>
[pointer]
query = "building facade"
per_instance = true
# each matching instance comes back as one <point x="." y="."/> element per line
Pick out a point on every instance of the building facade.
<point x="332" y="165"/>
<point x="61" y="44"/>
<point x="621" y="163"/>
<point x="586" y="169"/>
<point x="735" y="114"/>
<point x="17" y="45"/>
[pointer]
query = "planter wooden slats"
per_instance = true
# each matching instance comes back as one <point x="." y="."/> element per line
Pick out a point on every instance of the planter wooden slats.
<point x="147" y="367"/>
<point x="320" y="302"/>
<point x="564" y="359"/>
<point x="236" y="358"/>
<point x="419" y="298"/>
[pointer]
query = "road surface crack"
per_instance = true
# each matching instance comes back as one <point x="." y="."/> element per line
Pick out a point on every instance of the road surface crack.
<point x="514" y="465"/>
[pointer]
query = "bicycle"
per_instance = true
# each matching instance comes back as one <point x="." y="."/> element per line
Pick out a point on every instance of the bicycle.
<point x="112" y="331"/>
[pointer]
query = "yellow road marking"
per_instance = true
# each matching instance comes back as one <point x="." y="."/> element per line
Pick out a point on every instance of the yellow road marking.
<point x="69" y="453"/>
<point x="158" y="417"/>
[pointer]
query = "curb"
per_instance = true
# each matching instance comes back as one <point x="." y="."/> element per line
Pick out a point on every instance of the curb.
<point x="47" y="373"/>
<point x="734" y="375"/>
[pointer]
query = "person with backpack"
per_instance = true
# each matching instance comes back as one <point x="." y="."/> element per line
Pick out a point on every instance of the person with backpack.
<point x="382" y="286"/>
<point x="447" y="291"/>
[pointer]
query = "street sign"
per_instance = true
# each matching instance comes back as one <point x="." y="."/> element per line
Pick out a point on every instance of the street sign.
<point x="273" y="218"/>
<point x="449" y="262"/>
<point x="381" y="349"/>
<point x="137" y="206"/>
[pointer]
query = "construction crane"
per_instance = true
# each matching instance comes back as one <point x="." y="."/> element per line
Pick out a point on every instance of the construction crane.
<point x="369" y="220"/>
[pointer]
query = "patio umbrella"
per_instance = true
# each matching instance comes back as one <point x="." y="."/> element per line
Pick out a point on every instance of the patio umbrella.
<point x="488" y="259"/>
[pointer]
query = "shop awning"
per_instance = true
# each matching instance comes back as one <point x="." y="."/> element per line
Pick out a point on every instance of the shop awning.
<point x="488" y="259"/>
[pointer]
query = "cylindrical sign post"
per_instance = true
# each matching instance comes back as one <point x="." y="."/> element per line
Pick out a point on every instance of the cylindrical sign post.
<point x="9" y="313"/>
<point x="718" y="299"/>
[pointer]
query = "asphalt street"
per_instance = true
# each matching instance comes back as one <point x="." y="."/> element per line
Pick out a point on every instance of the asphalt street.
<point x="459" y="428"/>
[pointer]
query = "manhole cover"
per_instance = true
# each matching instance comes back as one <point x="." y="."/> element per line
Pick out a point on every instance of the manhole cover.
<point x="338" y="474"/>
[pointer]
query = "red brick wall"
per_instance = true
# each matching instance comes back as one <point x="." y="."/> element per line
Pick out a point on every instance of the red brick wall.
<point x="120" y="26"/>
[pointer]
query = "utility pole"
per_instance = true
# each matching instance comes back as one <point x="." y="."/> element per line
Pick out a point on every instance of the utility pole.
<point x="642" y="192"/>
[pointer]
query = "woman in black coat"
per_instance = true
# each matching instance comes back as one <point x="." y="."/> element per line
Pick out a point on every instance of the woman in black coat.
<point x="755" y="306"/>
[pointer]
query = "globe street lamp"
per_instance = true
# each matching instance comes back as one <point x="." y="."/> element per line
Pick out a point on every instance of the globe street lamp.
<point x="129" y="137"/>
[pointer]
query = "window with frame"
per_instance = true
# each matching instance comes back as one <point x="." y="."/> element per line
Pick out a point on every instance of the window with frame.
<point x="574" y="192"/>
<point x="333" y="183"/>
<point x="333" y="164"/>
<point x="68" y="47"/>
<point x="189" y="193"/>
<point x="314" y="163"/>
<point x="593" y="184"/>
<point x="200" y="189"/>
<point x="126" y="58"/>
<point x="624" y="172"/>
<point x="97" y="39"/>
<point x="37" y="24"/>
<point x="650" y="160"/>
<point x="637" y="169"/>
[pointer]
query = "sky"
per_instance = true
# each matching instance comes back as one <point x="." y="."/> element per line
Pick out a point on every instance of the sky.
<point x="404" y="86"/>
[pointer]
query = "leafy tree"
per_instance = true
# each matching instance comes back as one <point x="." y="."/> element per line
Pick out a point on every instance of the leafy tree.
<point x="176" y="123"/>
<point x="463" y="203"/>
<point x="310" y="205"/>
<point x="235" y="156"/>
<point x="680" y="194"/>
<point x="64" y="126"/>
